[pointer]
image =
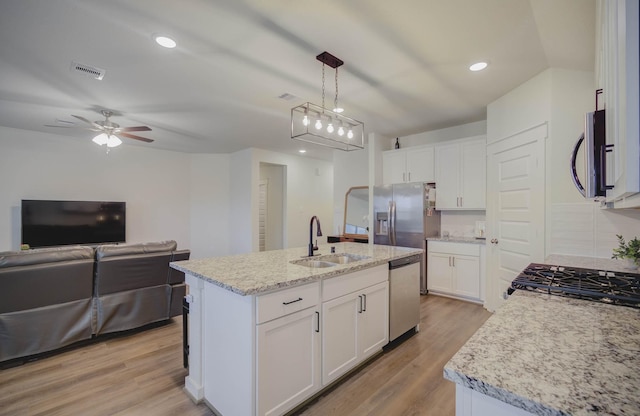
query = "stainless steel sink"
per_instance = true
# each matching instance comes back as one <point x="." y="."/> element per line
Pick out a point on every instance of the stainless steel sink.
<point x="316" y="264"/>
<point x="342" y="258"/>
<point x="329" y="260"/>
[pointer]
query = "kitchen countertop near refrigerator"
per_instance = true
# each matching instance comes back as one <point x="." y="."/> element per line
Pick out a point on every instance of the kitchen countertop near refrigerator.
<point x="466" y="240"/>
<point x="553" y="355"/>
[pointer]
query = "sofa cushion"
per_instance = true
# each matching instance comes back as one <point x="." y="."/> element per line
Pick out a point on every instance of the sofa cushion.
<point x="45" y="255"/>
<point x="111" y="250"/>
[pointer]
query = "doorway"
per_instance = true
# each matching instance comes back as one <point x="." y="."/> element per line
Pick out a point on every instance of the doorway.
<point x="271" y="209"/>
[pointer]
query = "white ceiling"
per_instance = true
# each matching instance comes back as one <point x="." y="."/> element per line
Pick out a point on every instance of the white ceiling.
<point x="405" y="65"/>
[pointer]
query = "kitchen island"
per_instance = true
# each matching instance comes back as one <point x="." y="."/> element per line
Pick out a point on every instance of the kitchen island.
<point x="550" y="355"/>
<point x="266" y="334"/>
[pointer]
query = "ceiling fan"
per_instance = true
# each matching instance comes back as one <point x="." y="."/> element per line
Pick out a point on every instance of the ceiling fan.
<point x="109" y="131"/>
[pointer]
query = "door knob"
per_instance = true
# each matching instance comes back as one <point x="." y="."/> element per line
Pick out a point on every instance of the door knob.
<point x="494" y="241"/>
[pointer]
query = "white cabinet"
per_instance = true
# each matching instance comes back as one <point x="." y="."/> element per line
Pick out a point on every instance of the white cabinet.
<point x="454" y="269"/>
<point x="287" y="349"/>
<point x="265" y="354"/>
<point x="355" y="320"/>
<point x="460" y="175"/>
<point x="617" y="71"/>
<point x="412" y="164"/>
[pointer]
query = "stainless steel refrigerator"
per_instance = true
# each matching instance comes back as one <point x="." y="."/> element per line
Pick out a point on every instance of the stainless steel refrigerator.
<point x="405" y="215"/>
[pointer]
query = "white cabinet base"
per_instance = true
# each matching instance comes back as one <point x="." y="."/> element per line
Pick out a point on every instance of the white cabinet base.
<point x="472" y="403"/>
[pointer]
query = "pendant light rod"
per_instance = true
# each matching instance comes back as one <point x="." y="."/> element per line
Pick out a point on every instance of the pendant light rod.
<point x="326" y="58"/>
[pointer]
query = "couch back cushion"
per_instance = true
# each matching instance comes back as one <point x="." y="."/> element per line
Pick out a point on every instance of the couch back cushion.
<point x="132" y="266"/>
<point x="36" y="278"/>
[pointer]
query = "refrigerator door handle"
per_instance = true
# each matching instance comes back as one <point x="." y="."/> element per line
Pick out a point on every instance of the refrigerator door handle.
<point x="392" y="222"/>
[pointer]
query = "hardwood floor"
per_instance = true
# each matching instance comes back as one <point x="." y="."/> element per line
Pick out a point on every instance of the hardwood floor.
<point x="141" y="374"/>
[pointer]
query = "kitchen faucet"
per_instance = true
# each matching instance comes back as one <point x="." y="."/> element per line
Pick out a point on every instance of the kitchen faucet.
<point x="311" y="246"/>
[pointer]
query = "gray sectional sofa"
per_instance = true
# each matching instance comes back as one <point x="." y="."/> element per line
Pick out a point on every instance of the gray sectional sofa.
<point x="54" y="297"/>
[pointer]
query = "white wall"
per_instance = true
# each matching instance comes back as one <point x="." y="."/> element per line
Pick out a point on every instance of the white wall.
<point x="462" y="131"/>
<point x="308" y="192"/>
<point x="210" y="205"/>
<point x="153" y="183"/>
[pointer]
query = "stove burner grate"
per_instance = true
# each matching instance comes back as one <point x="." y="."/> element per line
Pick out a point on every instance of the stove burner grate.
<point x="604" y="286"/>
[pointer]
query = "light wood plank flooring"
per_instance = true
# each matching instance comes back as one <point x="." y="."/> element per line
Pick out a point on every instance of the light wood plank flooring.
<point x="141" y="374"/>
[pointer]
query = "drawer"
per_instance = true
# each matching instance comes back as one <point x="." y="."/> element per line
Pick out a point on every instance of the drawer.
<point x="341" y="285"/>
<point x="462" y="249"/>
<point x="283" y="302"/>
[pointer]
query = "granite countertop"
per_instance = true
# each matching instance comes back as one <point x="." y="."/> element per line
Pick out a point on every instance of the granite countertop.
<point x="255" y="273"/>
<point x="467" y="240"/>
<point x="553" y="355"/>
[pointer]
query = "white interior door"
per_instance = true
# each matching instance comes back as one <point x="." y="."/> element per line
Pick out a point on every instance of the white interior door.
<point x="515" y="208"/>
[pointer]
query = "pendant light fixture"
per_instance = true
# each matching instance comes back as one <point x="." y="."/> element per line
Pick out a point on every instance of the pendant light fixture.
<point x="316" y="124"/>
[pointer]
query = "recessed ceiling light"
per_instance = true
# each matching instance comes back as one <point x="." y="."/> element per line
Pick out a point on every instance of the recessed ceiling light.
<point x="302" y="151"/>
<point x="165" y="41"/>
<point x="478" y="66"/>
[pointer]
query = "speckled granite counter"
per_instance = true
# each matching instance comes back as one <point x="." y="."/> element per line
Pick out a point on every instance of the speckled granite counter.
<point x="552" y="355"/>
<point x="253" y="273"/>
<point x="467" y="240"/>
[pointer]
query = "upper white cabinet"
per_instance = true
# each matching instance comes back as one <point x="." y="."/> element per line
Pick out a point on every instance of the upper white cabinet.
<point x="412" y="164"/>
<point x="460" y="174"/>
<point x="617" y="72"/>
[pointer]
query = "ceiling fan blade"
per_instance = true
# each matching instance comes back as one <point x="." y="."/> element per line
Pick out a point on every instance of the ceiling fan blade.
<point x="61" y="127"/>
<point x="136" y="128"/>
<point x="95" y="125"/>
<point x="133" y="136"/>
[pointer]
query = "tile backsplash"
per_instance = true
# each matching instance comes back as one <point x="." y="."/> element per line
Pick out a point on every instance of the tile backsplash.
<point x="584" y="229"/>
<point x="460" y="223"/>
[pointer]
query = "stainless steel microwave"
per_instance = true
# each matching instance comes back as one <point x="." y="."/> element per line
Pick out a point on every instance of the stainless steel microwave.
<point x="595" y="156"/>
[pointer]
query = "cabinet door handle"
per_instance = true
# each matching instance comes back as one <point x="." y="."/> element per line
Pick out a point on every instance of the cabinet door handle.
<point x="461" y="203"/>
<point x="318" y="321"/>
<point x="359" y="303"/>
<point x="453" y="261"/>
<point x="409" y="175"/>
<point x="364" y="308"/>
<point x="449" y="261"/>
<point x="292" y="301"/>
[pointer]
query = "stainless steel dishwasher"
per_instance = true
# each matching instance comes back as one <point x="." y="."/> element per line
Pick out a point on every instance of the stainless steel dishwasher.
<point x="404" y="295"/>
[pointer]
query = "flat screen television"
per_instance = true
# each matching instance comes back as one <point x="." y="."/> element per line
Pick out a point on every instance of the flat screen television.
<point x="55" y="223"/>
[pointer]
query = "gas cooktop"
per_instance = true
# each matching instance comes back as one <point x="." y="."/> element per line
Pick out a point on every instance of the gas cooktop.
<point x="596" y="285"/>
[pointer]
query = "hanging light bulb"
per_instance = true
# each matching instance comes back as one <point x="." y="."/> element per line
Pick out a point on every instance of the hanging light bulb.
<point x="101" y="139"/>
<point x="350" y="134"/>
<point x="318" y="124"/>
<point x="340" y="130"/>
<point x="305" y="119"/>
<point x="330" y="126"/>
<point x="113" y="141"/>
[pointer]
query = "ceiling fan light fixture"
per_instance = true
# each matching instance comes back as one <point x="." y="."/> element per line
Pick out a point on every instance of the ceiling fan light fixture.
<point x="113" y="141"/>
<point x="101" y="139"/>
<point x="165" y="41"/>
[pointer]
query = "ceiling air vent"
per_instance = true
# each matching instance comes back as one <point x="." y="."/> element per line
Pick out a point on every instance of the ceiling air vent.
<point x="88" y="70"/>
<point x="287" y="97"/>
